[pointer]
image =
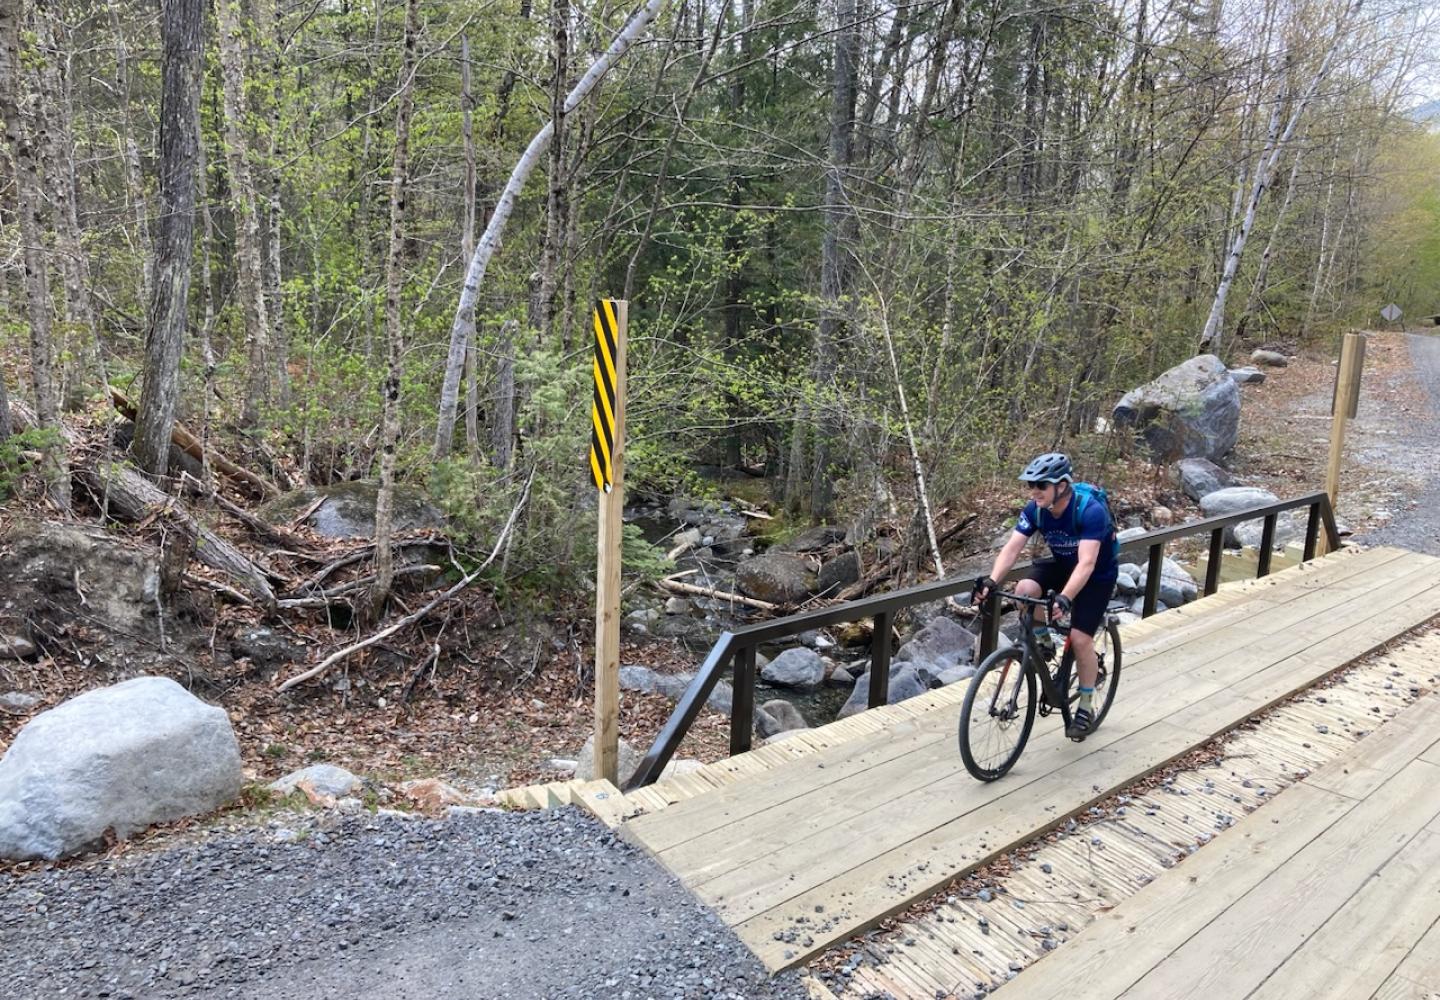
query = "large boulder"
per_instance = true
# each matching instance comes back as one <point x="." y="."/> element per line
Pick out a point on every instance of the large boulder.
<point x="1191" y="411"/>
<point x="673" y="686"/>
<point x="1177" y="586"/>
<point x="1272" y="358"/>
<point x="777" y="577"/>
<point x="940" y="646"/>
<point x="1247" y="376"/>
<point x="1200" y="477"/>
<point x="815" y="539"/>
<point x="117" y="758"/>
<point x="1232" y="500"/>
<point x="347" y="510"/>
<point x="799" y="668"/>
<point x="905" y="683"/>
<point x="778" y="716"/>
<point x="839" y="572"/>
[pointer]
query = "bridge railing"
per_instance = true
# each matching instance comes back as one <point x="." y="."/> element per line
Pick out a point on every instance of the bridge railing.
<point x="737" y="648"/>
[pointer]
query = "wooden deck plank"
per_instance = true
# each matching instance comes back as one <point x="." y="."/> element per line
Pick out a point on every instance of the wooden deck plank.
<point x="1363" y="943"/>
<point x="1260" y="930"/>
<point x="692" y="821"/>
<point x="885" y="883"/>
<point x="790" y="828"/>
<point x="1420" y="970"/>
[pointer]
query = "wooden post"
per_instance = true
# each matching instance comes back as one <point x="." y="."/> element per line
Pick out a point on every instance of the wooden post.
<point x="607" y="452"/>
<point x="1344" y="406"/>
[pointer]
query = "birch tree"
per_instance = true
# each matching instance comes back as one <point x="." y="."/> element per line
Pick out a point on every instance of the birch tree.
<point x="490" y="240"/>
<point x="1210" y="338"/>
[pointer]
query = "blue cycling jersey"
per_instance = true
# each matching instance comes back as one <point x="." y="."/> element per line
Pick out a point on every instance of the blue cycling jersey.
<point x="1063" y="534"/>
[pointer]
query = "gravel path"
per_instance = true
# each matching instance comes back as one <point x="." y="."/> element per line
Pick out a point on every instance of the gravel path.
<point x="483" y="905"/>
<point x="1414" y="450"/>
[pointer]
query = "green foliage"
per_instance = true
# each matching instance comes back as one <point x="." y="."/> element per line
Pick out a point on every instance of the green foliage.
<point x="13" y="461"/>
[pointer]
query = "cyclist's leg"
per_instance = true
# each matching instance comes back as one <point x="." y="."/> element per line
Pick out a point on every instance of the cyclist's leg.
<point x="1087" y="618"/>
<point x="1043" y="576"/>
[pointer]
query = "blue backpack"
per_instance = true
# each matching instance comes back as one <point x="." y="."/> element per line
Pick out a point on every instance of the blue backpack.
<point x="1085" y="494"/>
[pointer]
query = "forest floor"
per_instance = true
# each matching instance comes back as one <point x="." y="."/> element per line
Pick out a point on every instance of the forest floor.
<point x="520" y="695"/>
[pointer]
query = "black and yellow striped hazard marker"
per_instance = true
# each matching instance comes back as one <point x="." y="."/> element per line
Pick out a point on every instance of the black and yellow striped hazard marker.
<point x="603" y="411"/>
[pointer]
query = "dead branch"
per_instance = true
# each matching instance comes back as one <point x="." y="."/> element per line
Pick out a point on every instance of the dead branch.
<point x="411" y="619"/>
<point x="670" y="583"/>
<point x="360" y="555"/>
<point x="261" y="529"/>
<point x="354" y="586"/>
<point x="190" y="445"/>
<point x="888" y="565"/>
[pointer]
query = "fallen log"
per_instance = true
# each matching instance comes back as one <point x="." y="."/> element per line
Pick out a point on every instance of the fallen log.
<point x="888" y="565"/>
<point x="672" y="584"/>
<point x="124" y="491"/>
<point x="190" y="445"/>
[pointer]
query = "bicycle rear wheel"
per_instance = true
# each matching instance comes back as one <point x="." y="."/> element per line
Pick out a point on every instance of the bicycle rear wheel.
<point x="1107" y="681"/>
<point x="997" y="714"/>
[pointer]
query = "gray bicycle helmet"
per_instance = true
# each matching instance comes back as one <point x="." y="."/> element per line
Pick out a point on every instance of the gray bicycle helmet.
<point x="1052" y="467"/>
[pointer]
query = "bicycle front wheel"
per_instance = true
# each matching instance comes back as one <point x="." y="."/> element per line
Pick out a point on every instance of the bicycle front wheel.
<point x="1107" y="680"/>
<point x="997" y="714"/>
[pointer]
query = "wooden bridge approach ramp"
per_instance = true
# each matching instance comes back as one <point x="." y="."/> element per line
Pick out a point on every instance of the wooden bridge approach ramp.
<point x="801" y="844"/>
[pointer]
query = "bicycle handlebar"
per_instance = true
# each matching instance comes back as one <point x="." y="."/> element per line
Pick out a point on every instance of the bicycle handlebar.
<point x="1046" y="602"/>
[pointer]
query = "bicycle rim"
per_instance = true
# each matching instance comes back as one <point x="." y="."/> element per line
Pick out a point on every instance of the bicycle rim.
<point x="1107" y="651"/>
<point x="997" y="714"/>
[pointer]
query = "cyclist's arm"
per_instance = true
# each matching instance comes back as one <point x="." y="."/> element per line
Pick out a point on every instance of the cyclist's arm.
<point x="1007" y="555"/>
<point x="1085" y="555"/>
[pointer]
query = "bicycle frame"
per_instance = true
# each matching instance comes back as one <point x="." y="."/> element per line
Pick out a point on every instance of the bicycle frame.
<point x="1032" y="659"/>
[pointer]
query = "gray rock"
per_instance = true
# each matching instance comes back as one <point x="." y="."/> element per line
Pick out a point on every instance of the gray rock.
<point x="822" y="536"/>
<point x="1133" y="570"/>
<point x="904" y="683"/>
<point x="943" y="642"/>
<point x="1247" y="376"/>
<point x="122" y="757"/>
<point x="1289" y="527"/>
<point x="18" y="702"/>
<point x="693" y="632"/>
<point x="776" y="577"/>
<point x="839" y="677"/>
<point x="799" y="668"/>
<point x="1177" y="586"/>
<point x="347" y="510"/>
<point x="781" y="715"/>
<point x="839" y="572"/>
<point x="1126" y="534"/>
<point x="324" y="779"/>
<point x="953" y="676"/>
<point x="1231" y="500"/>
<point x="1200" y="477"/>
<point x="689" y="538"/>
<point x="1273" y="359"/>
<point x="1125" y="584"/>
<point x="14" y="647"/>
<point x="677" y="606"/>
<point x="626" y="761"/>
<point x="672" y="686"/>
<point x="1190" y="411"/>
<point x="264" y="647"/>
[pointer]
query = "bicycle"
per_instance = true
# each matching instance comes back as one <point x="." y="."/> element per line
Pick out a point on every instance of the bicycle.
<point x="1004" y="686"/>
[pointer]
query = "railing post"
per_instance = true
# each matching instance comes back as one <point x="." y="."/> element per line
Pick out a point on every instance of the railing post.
<point x="989" y="624"/>
<point x="1267" y="546"/>
<point x="880" y="660"/>
<point x="1212" y="567"/>
<point x="742" y="701"/>
<point x="1312" y="532"/>
<point x="1152" y="579"/>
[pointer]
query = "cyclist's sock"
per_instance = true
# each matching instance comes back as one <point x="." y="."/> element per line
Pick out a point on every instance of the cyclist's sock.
<point x="1087" y="699"/>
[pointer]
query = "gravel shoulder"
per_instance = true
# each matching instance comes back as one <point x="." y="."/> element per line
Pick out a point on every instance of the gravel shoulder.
<point x="478" y="905"/>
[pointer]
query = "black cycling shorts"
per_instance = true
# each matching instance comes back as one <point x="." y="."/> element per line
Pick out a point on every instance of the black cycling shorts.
<point x="1088" y="610"/>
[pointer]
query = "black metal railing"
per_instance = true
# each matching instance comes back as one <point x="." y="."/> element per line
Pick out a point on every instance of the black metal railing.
<point x="739" y="647"/>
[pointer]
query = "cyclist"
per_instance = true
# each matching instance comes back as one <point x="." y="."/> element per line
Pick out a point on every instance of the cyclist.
<point x="1081" y="573"/>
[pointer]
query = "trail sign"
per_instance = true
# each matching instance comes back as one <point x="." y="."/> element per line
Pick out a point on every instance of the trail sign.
<point x="1391" y="313"/>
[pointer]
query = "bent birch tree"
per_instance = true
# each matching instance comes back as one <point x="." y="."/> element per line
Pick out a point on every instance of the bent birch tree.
<point x="490" y="240"/>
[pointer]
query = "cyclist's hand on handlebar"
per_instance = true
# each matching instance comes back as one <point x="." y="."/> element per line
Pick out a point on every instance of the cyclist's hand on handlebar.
<point x="983" y="586"/>
<point x="1060" y="607"/>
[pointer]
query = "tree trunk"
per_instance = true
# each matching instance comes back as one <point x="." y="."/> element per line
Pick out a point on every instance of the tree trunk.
<point x="833" y="278"/>
<point x="248" y="245"/>
<point x="467" y="245"/>
<point x="274" y="274"/>
<point x="59" y="151"/>
<point x="394" y="332"/>
<point x="557" y="202"/>
<point x="1210" y="339"/>
<point x="134" y="182"/>
<point x="182" y="31"/>
<point x="502" y="427"/>
<point x="29" y="197"/>
<point x="1257" y="288"/>
<point x="490" y="241"/>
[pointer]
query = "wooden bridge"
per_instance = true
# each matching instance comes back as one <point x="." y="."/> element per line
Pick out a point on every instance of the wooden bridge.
<point x="1330" y="887"/>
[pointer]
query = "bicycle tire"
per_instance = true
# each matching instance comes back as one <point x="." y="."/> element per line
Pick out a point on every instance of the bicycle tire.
<point x="1108" y="650"/>
<point x="992" y="674"/>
